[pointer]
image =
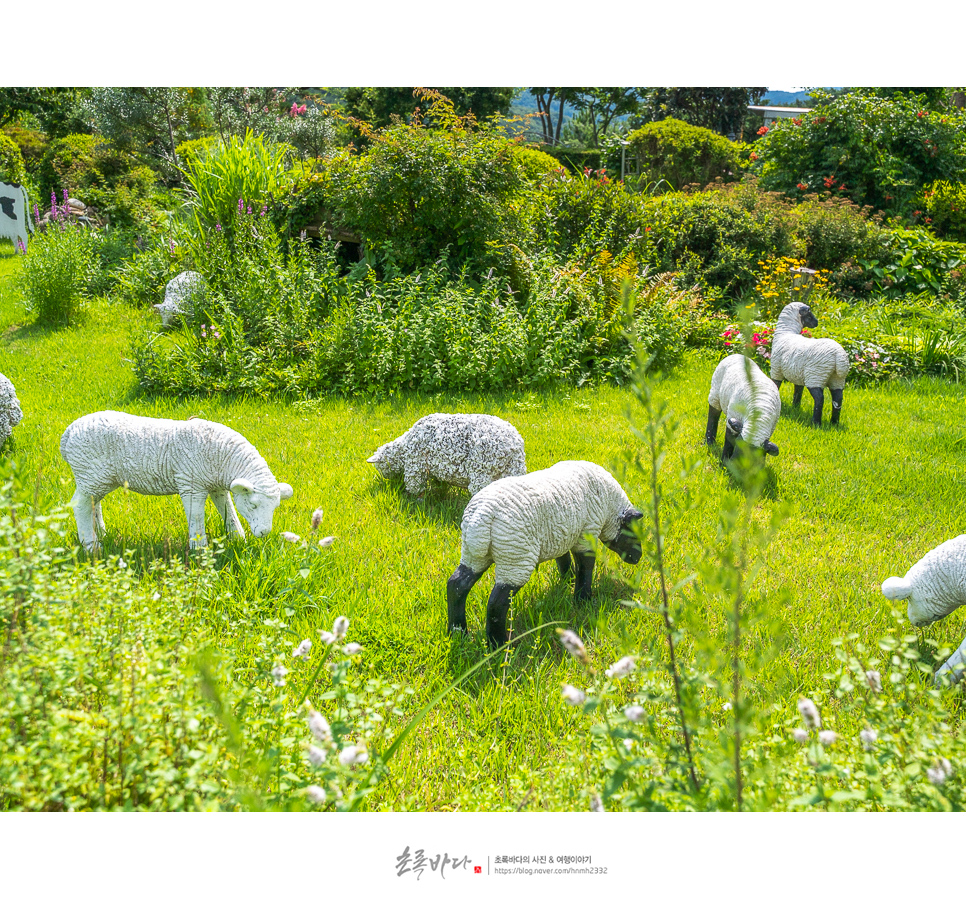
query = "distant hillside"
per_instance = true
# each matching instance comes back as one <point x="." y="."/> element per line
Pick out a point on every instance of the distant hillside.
<point x="800" y="98"/>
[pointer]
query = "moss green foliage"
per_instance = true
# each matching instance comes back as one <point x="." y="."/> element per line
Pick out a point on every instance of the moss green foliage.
<point x="32" y="144"/>
<point x="682" y="154"/>
<point x="12" y="167"/>
<point x="874" y="150"/>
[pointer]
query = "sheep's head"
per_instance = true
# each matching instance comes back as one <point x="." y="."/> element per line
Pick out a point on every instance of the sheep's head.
<point x="257" y="506"/>
<point x="807" y="316"/>
<point x="387" y="460"/>
<point x="627" y="544"/>
<point x="737" y="429"/>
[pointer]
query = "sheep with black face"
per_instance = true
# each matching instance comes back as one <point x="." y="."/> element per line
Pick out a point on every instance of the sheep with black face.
<point x="806" y="362"/>
<point x="514" y="524"/>
<point x="750" y="403"/>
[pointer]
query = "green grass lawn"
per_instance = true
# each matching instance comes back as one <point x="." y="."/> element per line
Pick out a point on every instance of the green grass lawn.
<point x="869" y="498"/>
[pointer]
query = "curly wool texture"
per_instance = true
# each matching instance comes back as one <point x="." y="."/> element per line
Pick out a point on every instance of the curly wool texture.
<point x="802" y="361"/>
<point x="469" y="451"/>
<point x="935" y="586"/>
<point x="194" y="459"/>
<point x="517" y="523"/>
<point x="11" y="414"/>
<point x="177" y="296"/>
<point x="741" y="390"/>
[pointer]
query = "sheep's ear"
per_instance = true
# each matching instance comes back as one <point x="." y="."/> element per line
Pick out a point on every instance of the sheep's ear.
<point x="770" y="448"/>
<point x="735" y="425"/>
<point x="377" y="456"/>
<point x="241" y="485"/>
<point x="634" y="515"/>
<point x="285" y="491"/>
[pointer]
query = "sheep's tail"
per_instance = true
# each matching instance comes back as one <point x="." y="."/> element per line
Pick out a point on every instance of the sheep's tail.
<point x="897" y="589"/>
<point x="841" y="363"/>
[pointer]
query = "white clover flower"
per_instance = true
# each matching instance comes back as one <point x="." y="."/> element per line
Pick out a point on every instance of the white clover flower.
<point x="628" y="743"/>
<point x="800" y="735"/>
<point x="726" y="706"/>
<point x="571" y="642"/>
<point x="351" y="648"/>
<point x="319" y="727"/>
<point x="939" y="772"/>
<point x="875" y="680"/>
<point x="340" y="627"/>
<point x="278" y="675"/>
<point x="121" y="564"/>
<point x="291" y="537"/>
<point x="351" y="755"/>
<point x="326" y="637"/>
<point x="316" y="519"/>
<point x="316" y="755"/>
<point x="596" y="803"/>
<point x="316" y="794"/>
<point x="634" y="713"/>
<point x="302" y="649"/>
<point x="622" y="667"/>
<point x="326" y="542"/>
<point x="809" y="712"/>
<point x="868" y="737"/>
<point x="572" y="696"/>
<point x="827" y="737"/>
<point x="156" y="596"/>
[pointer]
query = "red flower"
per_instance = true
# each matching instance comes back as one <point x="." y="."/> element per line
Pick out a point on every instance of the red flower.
<point x="754" y="156"/>
<point x="829" y="181"/>
<point x="796" y="121"/>
<point x="841" y="188"/>
<point x="802" y="186"/>
<point x="920" y="114"/>
<point x="821" y="120"/>
<point x="928" y="220"/>
<point x="762" y="130"/>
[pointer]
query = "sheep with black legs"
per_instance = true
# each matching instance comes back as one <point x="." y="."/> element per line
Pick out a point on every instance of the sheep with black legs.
<point x="195" y="459"/>
<point x="935" y="586"/>
<point x="515" y="524"/>
<point x="469" y="451"/>
<point x="750" y="403"/>
<point x="11" y="414"/>
<point x="806" y="362"/>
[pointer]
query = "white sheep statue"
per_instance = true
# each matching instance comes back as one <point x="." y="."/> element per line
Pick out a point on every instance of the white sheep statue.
<point x="11" y="414"/>
<point x="151" y="456"/>
<point x="516" y="523"/>
<point x="935" y="586"/>
<point x="469" y="451"/>
<point x="178" y="295"/>
<point x="807" y="362"/>
<point x="751" y="405"/>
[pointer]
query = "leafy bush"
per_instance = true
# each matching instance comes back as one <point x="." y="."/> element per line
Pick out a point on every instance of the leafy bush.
<point x="944" y="204"/>
<point x="12" y="167"/>
<point x="682" y="154"/>
<point x="716" y="238"/>
<point x="114" y="183"/>
<point x="912" y="261"/>
<point x="32" y="144"/>
<point x="876" y="151"/>
<point x="58" y="269"/>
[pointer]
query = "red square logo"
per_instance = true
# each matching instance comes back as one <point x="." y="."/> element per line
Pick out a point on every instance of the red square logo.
<point x="477" y="870"/>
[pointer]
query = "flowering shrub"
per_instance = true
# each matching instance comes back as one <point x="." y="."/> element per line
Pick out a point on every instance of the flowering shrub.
<point x="58" y="267"/>
<point x="870" y="361"/>
<point x="778" y="285"/>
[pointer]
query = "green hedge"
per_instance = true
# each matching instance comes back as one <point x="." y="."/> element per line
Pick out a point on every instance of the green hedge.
<point x="683" y="154"/>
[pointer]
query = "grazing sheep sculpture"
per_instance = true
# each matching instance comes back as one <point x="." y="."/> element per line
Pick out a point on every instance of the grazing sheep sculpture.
<point x="812" y="363"/>
<point x="470" y="451"/>
<point x="519" y="522"/>
<point x="152" y="456"/>
<point x="178" y="293"/>
<point x="935" y="586"/>
<point x="751" y="405"/>
<point x="10" y="412"/>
